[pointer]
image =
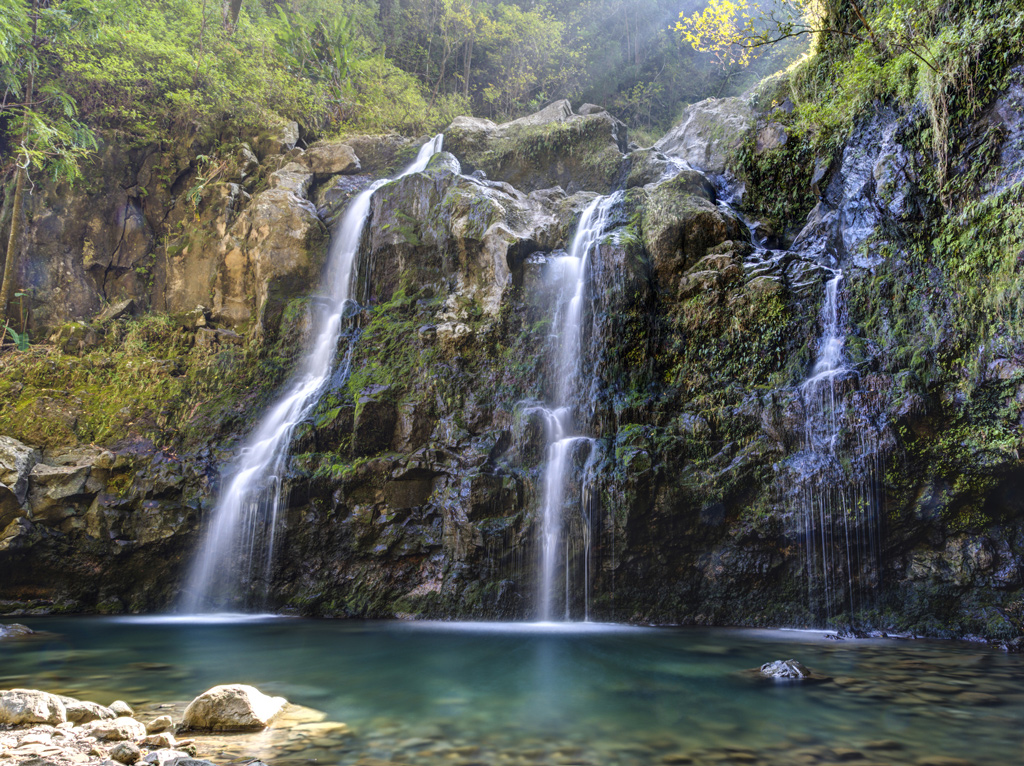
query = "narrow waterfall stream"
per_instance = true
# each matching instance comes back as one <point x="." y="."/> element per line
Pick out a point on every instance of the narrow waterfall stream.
<point x="570" y="273"/>
<point x="837" y="485"/>
<point x="236" y="554"/>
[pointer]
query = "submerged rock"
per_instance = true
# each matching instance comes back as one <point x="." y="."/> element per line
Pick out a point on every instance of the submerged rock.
<point x="790" y="670"/>
<point x="233" y="707"/>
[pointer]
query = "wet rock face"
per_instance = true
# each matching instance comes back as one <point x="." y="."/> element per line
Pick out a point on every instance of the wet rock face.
<point x="414" y="485"/>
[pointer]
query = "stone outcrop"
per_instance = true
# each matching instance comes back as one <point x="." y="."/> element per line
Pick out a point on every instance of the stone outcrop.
<point x="554" y="147"/>
<point x="710" y="134"/>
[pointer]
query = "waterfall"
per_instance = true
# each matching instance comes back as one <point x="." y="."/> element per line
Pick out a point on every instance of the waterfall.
<point x="237" y="552"/>
<point x="562" y="534"/>
<point x="837" y="485"/>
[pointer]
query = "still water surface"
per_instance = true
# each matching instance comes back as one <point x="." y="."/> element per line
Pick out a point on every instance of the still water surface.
<point x="570" y="694"/>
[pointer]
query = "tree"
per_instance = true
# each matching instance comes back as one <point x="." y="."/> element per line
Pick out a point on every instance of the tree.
<point x="732" y="29"/>
<point x="40" y="118"/>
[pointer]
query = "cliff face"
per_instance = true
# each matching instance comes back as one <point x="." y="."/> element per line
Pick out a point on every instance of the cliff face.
<point x="722" y="487"/>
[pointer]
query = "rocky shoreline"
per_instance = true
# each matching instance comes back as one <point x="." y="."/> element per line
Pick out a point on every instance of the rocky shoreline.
<point x="225" y="723"/>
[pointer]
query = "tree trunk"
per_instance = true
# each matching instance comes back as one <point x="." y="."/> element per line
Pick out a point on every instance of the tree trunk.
<point x="231" y="10"/>
<point x="12" y="261"/>
<point x="467" y="62"/>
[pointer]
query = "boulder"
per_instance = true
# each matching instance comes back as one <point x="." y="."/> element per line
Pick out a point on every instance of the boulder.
<point x="81" y="711"/>
<point x="16" y="463"/>
<point x="116" y="729"/>
<point x="332" y="159"/>
<point x="552" y="147"/>
<point x="710" y="135"/>
<point x="679" y="224"/>
<point x="125" y="752"/>
<point x="233" y="707"/>
<point x="28" y="706"/>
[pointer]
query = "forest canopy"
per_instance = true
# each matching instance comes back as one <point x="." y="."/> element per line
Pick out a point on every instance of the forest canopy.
<point x="149" y="70"/>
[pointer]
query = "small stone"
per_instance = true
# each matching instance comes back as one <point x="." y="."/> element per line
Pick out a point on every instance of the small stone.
<point x="159" y="724"/>
<point x="121" y="708"/>
<point x="166" y="756"/>
<point x="163" y="740"/>
<point x="125" y="752"/>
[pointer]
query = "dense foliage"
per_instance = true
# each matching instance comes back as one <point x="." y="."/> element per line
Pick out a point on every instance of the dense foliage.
<point x="161" y="70"/>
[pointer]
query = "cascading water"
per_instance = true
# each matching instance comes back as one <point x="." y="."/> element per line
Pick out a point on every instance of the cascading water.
<point x="237" y="552"/>
<point x="837" y="487"/>
<point x="563" y="536"/>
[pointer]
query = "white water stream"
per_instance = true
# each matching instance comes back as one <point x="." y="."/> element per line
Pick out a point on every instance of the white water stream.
<point x="570" y="273"/>
<point x="237" y="552"/>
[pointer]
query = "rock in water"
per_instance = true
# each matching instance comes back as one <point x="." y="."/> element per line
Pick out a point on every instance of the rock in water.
<point x="790" y="669"/>
<point x="234" y="707"/>
<point x="15" y="629"/>
<point x="27" y="706"/>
